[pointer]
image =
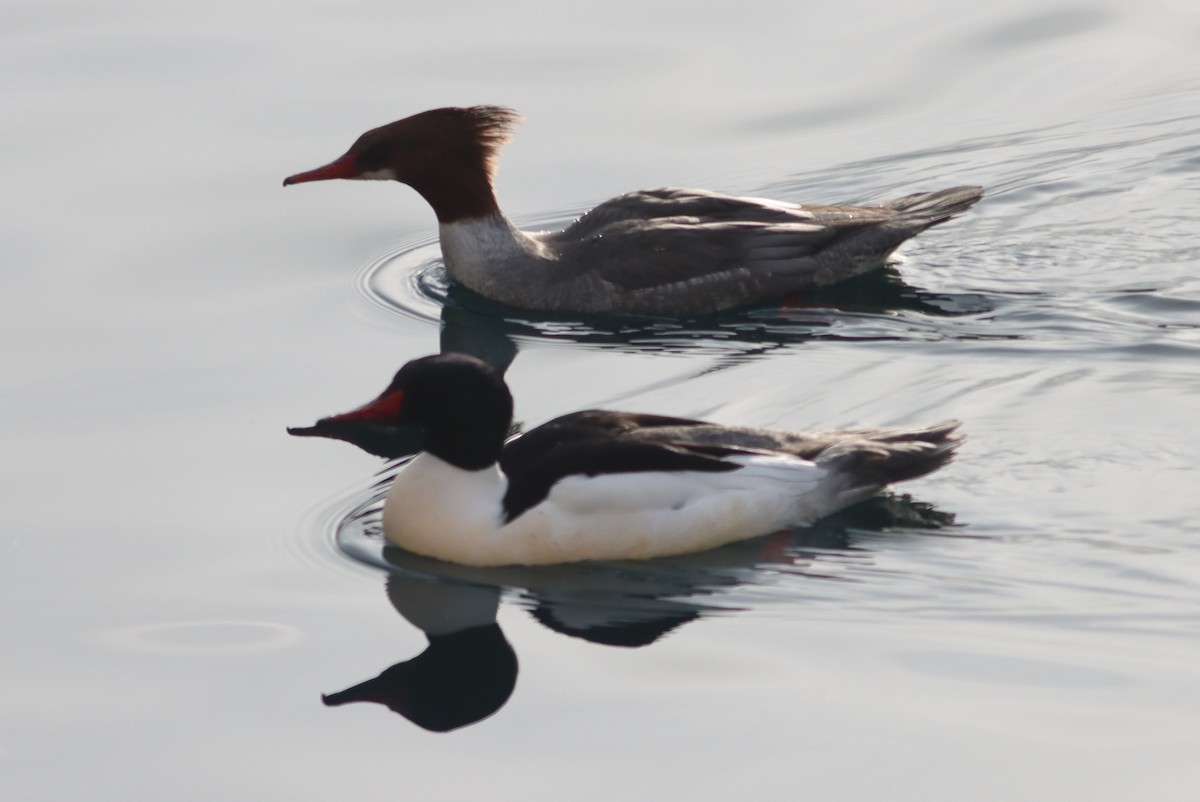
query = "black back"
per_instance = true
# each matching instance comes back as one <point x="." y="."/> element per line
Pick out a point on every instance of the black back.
<point x="595" y="442"/>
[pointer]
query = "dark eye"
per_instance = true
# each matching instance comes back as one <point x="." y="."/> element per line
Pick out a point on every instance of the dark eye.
<point x="372" y="158"/>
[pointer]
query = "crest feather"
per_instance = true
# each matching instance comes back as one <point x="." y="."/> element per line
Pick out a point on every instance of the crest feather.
<point x="494" y="127"/>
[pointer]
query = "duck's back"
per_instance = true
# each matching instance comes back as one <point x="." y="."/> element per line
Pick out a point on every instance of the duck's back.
<point x="692" y="252"/>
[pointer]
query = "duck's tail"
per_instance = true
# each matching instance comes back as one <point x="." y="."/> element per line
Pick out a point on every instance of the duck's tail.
<point x="936" y="207"/>
<point x="875" y="458"/>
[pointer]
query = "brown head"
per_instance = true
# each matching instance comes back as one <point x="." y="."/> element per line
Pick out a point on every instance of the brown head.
<point x="447" y="155"/>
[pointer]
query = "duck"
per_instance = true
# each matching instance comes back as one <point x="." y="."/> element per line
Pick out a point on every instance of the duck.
<point x="655" y="252"/>
<point x="599" y="485"/>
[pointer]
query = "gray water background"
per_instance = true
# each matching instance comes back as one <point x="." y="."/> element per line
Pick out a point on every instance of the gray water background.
<point x="175" y="595"/>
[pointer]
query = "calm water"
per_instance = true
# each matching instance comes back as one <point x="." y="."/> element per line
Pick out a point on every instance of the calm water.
<point x="183" y="581"/>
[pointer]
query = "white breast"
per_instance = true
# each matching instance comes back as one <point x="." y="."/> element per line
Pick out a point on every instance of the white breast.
<point x="432" y="503"/>
<point x="491" y="256"/>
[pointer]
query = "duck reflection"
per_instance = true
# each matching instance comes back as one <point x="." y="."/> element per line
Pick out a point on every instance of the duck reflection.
<point x="469" y="669"/>
<point x="484" y="329"/>
<point x="467" y="672"/>
<point x="872" y="306"/>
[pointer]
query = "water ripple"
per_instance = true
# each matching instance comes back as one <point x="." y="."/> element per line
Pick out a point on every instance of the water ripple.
<point x="411" y="282"/>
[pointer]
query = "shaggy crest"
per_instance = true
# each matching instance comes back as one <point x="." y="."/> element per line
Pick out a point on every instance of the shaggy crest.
<point x="494" y="127"/>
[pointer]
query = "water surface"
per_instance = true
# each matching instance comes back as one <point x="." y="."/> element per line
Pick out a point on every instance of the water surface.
<point x="184" y="582"/>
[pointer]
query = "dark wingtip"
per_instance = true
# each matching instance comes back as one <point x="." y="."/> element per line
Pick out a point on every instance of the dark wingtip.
<point x="938" y="206"/>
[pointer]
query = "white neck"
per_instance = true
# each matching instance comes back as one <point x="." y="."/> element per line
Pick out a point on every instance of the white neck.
<point x="432" y="501"/>
<point x="492" y="256"/>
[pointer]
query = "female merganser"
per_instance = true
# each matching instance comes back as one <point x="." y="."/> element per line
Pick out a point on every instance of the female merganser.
<point x="600" y="485"/>
<point x="653" y="252"/>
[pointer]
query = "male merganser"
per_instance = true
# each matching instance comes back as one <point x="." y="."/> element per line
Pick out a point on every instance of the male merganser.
<point x="601" y="485"/>
<point x="653" y="252"/>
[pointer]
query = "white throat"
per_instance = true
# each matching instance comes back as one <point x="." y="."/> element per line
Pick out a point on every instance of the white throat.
<point x="493" y="257"/>
<point x="431" y="501"/>
<point x="382" y="174"/>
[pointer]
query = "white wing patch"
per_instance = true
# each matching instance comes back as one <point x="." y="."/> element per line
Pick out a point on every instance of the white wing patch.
<point x="783" y="206"/>
<point x="776" y="480"/>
